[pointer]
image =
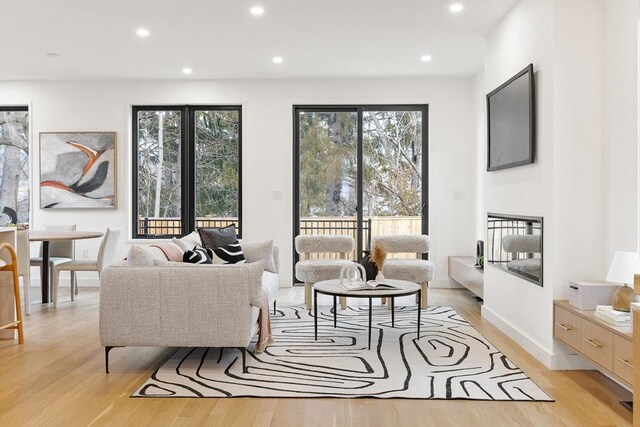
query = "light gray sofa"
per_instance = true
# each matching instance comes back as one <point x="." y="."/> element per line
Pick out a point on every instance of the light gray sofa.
<point x="182" y="305"/>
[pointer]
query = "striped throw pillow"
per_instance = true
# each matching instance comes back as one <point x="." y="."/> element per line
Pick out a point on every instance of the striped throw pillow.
<point x="229" y="254"/>
<point x="197" y="256"/>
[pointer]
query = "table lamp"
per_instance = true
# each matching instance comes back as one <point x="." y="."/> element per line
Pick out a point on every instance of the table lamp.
<point x="623" y="267"/>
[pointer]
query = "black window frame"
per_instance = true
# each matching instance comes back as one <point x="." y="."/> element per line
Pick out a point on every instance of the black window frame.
<point x="24" y="108"/>
<point x="359" y="109"/>
<point x="187" y="165"/>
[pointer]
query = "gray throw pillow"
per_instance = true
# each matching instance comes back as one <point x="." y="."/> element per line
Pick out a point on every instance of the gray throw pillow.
<point x="218" y="237"/>
<point x="256" y="251"/>
<point x="144" y="255"/>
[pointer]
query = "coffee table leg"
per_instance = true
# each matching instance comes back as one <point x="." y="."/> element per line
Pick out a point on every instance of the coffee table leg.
<point x="393" y="313"/>
<point x="419" y="309"/>
<point x="315" y="313"/>
<point x="370" y="314"/>
<point x="335" y="310"/>
<point x="45" y="272"/>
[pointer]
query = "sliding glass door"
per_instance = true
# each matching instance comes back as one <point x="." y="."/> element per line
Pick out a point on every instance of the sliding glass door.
<point x="361" y="171"/>
<point x="394" y="198"/>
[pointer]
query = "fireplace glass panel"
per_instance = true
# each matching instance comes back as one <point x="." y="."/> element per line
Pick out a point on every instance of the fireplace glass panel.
<point x="514" y="244"/>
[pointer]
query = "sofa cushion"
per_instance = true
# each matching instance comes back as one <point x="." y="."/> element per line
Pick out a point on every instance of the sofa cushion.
<point x="413" y="270"/>
<point x="316" y="270"/>
<point x="256" y="251"/>
<point x="255" y="270"/>
<point x="216" y="237"/>
<point x="144" y="256"/>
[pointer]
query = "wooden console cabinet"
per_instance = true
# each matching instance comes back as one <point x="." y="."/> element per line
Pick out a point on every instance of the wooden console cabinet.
<point x="462" y="270"/>
<point x="609" y="346"/>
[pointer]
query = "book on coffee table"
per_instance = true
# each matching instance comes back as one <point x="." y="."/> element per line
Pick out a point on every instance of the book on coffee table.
<point x="366" y="286"/>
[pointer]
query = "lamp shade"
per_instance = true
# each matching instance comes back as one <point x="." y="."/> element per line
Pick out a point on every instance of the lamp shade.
<point x="623" y="267"/>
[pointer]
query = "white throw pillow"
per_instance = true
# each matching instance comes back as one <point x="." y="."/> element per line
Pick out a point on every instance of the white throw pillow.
<point x="144" y="256"/>
<point x="256" y="251"/>
<point x="188" y="242"/>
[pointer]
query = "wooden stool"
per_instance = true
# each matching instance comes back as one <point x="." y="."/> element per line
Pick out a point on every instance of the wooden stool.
<point x="13" y="267"/>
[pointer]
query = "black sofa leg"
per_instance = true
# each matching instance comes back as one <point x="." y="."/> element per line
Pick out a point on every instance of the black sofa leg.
<point x="243" y="350"/>
<point x="107" y="349"/>
<point x="274" y="308"/>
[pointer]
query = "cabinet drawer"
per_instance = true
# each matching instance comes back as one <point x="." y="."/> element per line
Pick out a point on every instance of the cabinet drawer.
<point x="623" y="358"/>
<point x="597" y="344"/>
<point x="566" y="327"/>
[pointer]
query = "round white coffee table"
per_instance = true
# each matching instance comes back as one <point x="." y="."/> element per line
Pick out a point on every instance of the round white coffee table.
<point x="333" y="288"/>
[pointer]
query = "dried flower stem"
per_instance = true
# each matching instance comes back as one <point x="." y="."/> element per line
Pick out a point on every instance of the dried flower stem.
<point x="378" y="255"/>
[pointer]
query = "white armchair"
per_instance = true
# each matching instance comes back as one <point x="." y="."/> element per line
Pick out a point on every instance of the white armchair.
<point x="415" y="270"/>
<point x="311" y="271"/>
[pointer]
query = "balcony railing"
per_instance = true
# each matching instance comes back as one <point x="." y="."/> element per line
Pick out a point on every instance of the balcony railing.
<point x="163" y="227"/>
<point x="372" y="226"/>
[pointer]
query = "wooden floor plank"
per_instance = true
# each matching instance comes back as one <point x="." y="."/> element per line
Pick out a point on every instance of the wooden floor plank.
<point x="57" y="379"/>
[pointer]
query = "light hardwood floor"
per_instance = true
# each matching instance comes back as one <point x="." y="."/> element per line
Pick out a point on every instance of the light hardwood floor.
<point x="57" y="379"/>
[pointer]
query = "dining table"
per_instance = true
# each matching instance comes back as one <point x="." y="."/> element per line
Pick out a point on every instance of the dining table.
<point x="46" y="237"/>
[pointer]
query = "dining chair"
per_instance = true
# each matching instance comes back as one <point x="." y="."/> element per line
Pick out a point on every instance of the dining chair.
<point x="24" y="266"/>
<point x="59" y="251"/>
<point x="106" y="256"/>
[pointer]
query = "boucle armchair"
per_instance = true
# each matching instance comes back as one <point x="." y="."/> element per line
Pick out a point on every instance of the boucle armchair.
<point x="414" y="270"/>
<point x="311" y="271"/>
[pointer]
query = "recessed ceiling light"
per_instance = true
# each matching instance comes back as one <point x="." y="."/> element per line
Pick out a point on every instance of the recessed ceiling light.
<point x="257" y="10"/>
<point x="53" y="54"/>
<point x="425" y="58"/>
<point x="456" y="8"/>
<point x="187" y="71"/>
<point x="142" y="32"/>
<point x="277" y="60"/>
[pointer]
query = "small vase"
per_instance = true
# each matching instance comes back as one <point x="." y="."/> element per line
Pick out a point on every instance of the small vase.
<point x="379" y="278"/>
<point x="622" y="298"/>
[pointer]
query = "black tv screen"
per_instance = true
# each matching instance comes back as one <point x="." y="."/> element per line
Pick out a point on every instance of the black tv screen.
<point x="511" y="122"/>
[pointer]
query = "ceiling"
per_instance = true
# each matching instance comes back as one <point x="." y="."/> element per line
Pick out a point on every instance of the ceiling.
<point x="220" y="39"/>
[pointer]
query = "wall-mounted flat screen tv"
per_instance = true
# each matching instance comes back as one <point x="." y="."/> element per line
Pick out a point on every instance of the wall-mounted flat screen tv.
<point x="511" y="122"/>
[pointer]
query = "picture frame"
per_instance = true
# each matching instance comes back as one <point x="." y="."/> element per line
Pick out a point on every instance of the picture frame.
<point x="78" y="170"/>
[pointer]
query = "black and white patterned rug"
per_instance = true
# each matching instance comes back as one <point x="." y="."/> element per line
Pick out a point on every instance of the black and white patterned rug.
<point x="450" y="361"/>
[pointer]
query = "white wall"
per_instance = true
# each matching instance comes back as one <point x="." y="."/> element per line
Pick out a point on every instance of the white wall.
<point x="478" y="103"/>
<point x="585" y="61"/>
<point x="267" y="150"/>
<point x="520" y="308"/>
<point x="620" y="128"/>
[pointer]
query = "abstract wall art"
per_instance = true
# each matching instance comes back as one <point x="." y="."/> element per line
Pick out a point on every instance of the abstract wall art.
<point x="77" y="170"/>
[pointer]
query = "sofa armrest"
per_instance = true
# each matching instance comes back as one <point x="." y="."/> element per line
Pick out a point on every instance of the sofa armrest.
<point x="276" y="258"/>
<point x="166" y="306"/>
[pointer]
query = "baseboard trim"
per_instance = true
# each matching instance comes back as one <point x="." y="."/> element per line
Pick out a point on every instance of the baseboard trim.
<point x="565" y="361"/>
<point x="532" y="347"/>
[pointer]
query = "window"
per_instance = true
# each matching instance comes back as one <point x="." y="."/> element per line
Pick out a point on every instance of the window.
<point x="14" y="165"/>
<point x="187" y="169"/>
<point x="368" y="156"/>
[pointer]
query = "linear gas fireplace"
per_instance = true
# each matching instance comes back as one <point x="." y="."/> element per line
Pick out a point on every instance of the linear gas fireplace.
<point x="514" y="244"/>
